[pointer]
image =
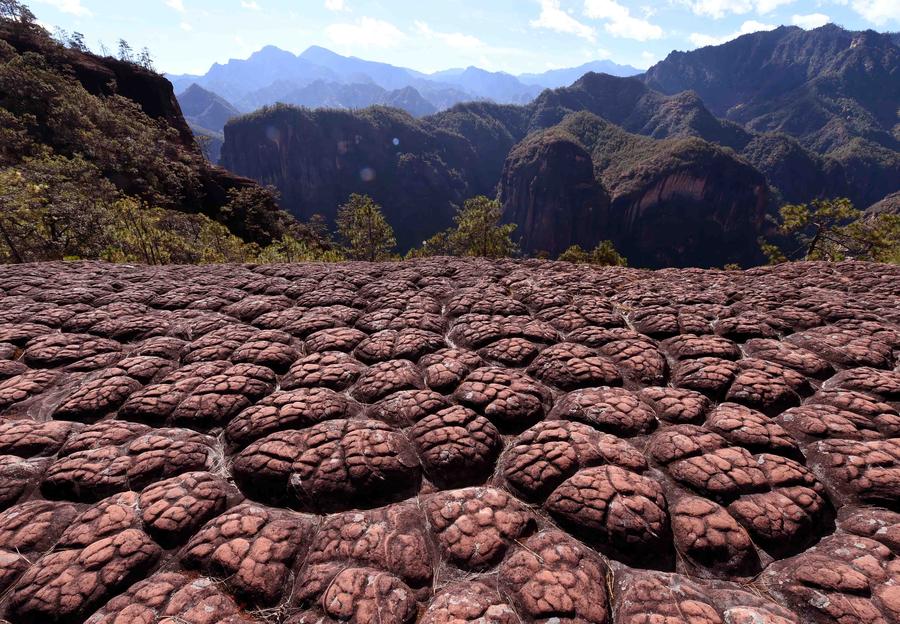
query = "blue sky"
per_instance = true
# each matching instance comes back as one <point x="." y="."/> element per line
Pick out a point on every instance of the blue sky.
<point x="187" y="36"/>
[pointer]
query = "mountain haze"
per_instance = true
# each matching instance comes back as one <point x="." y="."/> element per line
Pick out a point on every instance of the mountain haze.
<point x="555" y="78"/>
<point x="207" y="114"/>
<point x="320" y="78"/>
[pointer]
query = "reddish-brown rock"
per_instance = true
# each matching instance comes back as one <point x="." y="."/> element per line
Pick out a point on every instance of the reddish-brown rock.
<point x="551" y="576"/>
<point x="475" y="527"/>
<point x="253" y="547"/>
<point x="449" y="441"/>
<point x="507" y="398"/>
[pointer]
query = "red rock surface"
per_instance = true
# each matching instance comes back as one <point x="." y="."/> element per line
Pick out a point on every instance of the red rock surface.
<point x="449" y="441"/>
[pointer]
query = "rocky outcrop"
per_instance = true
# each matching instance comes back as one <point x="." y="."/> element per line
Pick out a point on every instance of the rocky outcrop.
<point x="666" y="203"/>
<point x="178" y="448"/>
<point x="549" y="191"/>
<point x="318" y="158"/>
<point x="888" y="205"/>
<point x="106" y="76"/>
<point x="419" y="170"/>
<point x="688" y="216"/>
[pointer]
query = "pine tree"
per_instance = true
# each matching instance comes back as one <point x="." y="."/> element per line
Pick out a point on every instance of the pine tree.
<point x="76" y="42"/>
<point x="14" y="11"/>
<point x="575" y="254"/>
<point x="605" y="254"/>
<point x="145" y="59"/>
<point x="363" y="230"/>
<point x="479" y="232"/>
<point x="833" y="229"/>
<point x="125" y="52"/>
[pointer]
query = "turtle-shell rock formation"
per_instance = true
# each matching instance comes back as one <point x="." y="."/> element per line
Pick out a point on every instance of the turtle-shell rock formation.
<point x="449" y="441"/>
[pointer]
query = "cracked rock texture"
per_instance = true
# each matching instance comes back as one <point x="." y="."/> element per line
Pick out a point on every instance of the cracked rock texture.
<point x="449" y="441"/>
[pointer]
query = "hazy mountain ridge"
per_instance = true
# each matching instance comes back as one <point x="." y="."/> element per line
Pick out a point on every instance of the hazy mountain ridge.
<point x="273" y="75"/>
<point x="555" y="78"/>
<point x="207" y="113"/>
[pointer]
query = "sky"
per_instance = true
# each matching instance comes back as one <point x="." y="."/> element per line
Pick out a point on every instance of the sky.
<point x="516" y="36"/>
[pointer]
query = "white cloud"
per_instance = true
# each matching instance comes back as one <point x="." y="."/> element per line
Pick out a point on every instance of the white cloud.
<point x="767" y="6"/>
<point x="748" y="27"/>
<point x="879" y="12"/>
<point x="649" y="58"/>
<point x="185" y="27"/>
<point x="718" y="9"/>
<point x="178" y="5"/>
<point x="73" y="7"/>
<point x="620" y="22"/>
<point x="252" y="5"/>
<point x="336" y="5"/>
<point x="553" y="18"/>
<point x="456" y="40"/>
<point x="813" y="20"/>
<point x="365" y="32"/>
<point x="466" y="49"/>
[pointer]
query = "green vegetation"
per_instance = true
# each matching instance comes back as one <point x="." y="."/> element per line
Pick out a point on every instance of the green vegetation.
<point x="89" y="174"/>
<point x="832" y="229"/>
<point x="49" y="113"/>
<point x="363" y="230"/>
<point x="604" y="254"/>
<point x="49" y="215"/>
<point x="478" y="232"/>
<point x="441" y="244"/>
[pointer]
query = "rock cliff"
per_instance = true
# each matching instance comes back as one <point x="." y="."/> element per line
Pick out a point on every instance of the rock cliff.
<point x="318" y="158"/>
<point x="676" y="202"/>
<point x="549" y="191"/>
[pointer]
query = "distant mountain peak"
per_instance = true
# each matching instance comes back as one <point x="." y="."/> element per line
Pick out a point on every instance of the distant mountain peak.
<point x="271" y="52"/>
<point x="318" y="53"/>
<point x="193" y="90"/>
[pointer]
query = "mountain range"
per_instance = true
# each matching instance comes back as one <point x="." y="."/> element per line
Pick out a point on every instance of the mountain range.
<point x="320" y="78"/>
<point x="671" y="166"/>
<point x="207" y="114"/>
<point x="644" y="160"/>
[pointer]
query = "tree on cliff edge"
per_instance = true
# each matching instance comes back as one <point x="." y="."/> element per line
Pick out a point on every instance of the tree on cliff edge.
<point x="14" y="11"/>
<point x="363" y="230"/>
